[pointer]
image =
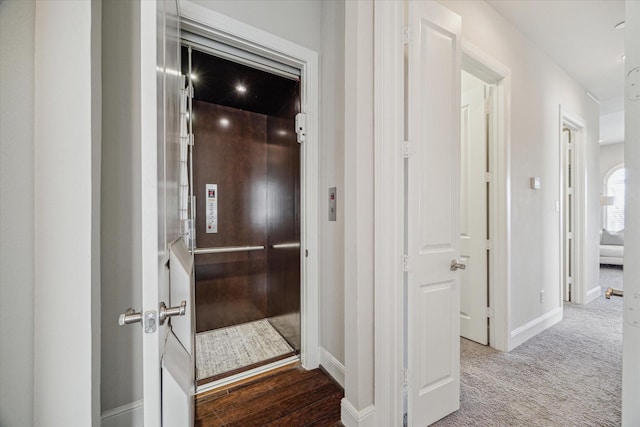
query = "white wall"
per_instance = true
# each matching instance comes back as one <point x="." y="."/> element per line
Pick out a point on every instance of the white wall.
<point x="611" y="155"/>
<point x="538" y="88"/>
<point x="17" y="29"/>
<point x="121" y="370"/>
<point x="66" y="292"/>
<point x="296" y="20"/>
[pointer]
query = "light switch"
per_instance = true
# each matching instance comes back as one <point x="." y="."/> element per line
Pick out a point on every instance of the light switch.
<point x="536" y="182"/>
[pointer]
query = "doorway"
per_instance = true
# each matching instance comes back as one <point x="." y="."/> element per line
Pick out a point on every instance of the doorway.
<point x="475" y="181"/>
<point x="245" y="186"/>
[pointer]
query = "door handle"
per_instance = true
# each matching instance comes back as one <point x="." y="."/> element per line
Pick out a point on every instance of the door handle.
<point x="171" y="311"/>
<point x="130" y="316"/>
<point x="455" y="265"/>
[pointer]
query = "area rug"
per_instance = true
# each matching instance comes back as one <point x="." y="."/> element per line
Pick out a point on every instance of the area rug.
<point x="568" y="375"/>
<point x="228" y="349"/>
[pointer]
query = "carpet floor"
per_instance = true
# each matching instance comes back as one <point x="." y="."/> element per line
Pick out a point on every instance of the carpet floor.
<point x="227" y="349"/>
<point x="568" y="375"/>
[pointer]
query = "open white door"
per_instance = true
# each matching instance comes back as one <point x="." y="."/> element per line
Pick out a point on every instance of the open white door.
<point x="433" y="212"/>
<point x="167" y="267"/>
<point x="631" y="327"/>
<point x="473" y="210"/>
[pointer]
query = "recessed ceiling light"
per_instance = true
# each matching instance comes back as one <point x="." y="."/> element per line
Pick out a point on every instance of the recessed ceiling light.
<point x="619" y="25"/>
<point x="623" y="56"/>
<point x="224" y="122"/>
<point x="241" y="88"/>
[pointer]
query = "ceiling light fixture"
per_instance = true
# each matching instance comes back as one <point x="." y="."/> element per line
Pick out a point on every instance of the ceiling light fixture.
<point x="194" y="77"/>
<point x="241" y="88"/>
<point x="622" y="57"/>
<point x="619" y="26"/>
<point x="224" y="122"/>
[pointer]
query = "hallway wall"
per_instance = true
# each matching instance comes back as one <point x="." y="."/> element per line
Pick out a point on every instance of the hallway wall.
<point x="17" y="29"/>
<point x="539" y="87"/>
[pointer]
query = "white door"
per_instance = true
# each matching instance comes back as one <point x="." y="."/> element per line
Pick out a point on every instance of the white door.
<point x="473" y="210"/>
<point x="433" y="197"/>
<point x="569" y="198"/>
<point x="167" y="267"/>
<point x="631" y="327"/>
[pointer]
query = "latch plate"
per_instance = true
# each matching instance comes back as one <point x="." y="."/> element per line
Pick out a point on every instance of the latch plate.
<point x="150" y="321"/>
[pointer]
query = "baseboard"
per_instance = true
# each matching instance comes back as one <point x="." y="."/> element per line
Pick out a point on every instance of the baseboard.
<point x="534" y="327"/>
<point x="351" y="417"/>
<point x="129" y="415"/>
<point x="332" y="366"/>
<point x="593" y="294"/>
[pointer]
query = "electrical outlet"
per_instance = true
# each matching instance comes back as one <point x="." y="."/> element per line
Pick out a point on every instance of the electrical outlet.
<point x="541" y="296"/>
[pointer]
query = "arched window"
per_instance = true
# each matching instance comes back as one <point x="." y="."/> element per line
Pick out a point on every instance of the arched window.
<point x="614" y="214"/>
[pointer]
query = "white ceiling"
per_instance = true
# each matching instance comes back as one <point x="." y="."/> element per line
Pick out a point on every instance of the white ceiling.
<point x="579" y="36"/>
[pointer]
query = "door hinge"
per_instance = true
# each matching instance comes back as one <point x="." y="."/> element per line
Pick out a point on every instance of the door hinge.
<point x="405" y="263"/>
<point x="488" y="245"/>
<point x="405" y="149"/>
<point x="488" y="177"/>
<point x="406" y="35"/>
<point x="301" y="127"/>
<point x="490" y="312"/>
<point x="405" y="377"/>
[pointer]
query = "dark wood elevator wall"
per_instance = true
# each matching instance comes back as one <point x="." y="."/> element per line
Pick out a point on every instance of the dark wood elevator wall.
<point x="231" y="288"/>
<point x="255" y="160"/>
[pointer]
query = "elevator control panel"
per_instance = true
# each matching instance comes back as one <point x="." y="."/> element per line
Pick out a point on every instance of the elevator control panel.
<point x="212" y="208"/>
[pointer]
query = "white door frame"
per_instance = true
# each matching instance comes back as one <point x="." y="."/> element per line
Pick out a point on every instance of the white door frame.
<point x="578" y="125"/>
<point x="219" y="27"/>
<point x="486" y="68"/>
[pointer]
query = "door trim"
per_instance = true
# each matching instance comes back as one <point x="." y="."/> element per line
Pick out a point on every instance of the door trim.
<point x="246" y="37"/>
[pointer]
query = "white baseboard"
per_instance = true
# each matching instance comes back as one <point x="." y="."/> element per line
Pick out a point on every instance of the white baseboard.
<point x="351" y="417"/>
<point x="593" y="294"/>
<point x="332" y="366"/>
<point x="129" y="415"/>
<point x="534" y="327"/>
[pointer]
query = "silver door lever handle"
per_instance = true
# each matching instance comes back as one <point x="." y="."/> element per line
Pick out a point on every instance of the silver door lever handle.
<point x="455" y="265"/>
<point x="130" y="316"/>
<point x="171" y="311"/>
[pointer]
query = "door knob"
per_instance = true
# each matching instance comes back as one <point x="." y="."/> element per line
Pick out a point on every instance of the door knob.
<point x="130" y="316"/>
<point x="455" y="265"/>
<point x="172" y="311"/>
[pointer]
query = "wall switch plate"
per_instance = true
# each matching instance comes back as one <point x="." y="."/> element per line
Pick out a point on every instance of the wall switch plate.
<point x="536" y="182"/>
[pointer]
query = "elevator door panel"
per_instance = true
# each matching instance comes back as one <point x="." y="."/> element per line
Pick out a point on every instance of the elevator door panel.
<point x="283" y="222"/>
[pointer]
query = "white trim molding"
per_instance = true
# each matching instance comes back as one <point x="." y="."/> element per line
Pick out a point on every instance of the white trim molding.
<point x="129" y="415"/>
<point x="238" y="34"/>
<point x="351" y="417"/>
<point x="388" y="211"/>
<point x="332" y="366"/>
<point x="593" y="294"/>
<point x="534" y="327"/>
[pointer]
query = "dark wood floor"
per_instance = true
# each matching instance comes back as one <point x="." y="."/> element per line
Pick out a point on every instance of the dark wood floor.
<point x="291" y="397"/>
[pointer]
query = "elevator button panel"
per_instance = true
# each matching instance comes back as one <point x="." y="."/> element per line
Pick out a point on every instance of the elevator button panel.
<point x="212" y="208"/>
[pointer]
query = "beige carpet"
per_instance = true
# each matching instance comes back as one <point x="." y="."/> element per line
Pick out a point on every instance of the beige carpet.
<point x="226" y="349"/>
<point x="568" y="375"/>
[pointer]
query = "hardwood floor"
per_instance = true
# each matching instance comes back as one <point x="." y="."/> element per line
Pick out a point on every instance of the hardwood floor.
<point x="291" y="397"/>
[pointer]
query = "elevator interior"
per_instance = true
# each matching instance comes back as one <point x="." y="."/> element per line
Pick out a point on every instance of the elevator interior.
<point x="246" y="182"/>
